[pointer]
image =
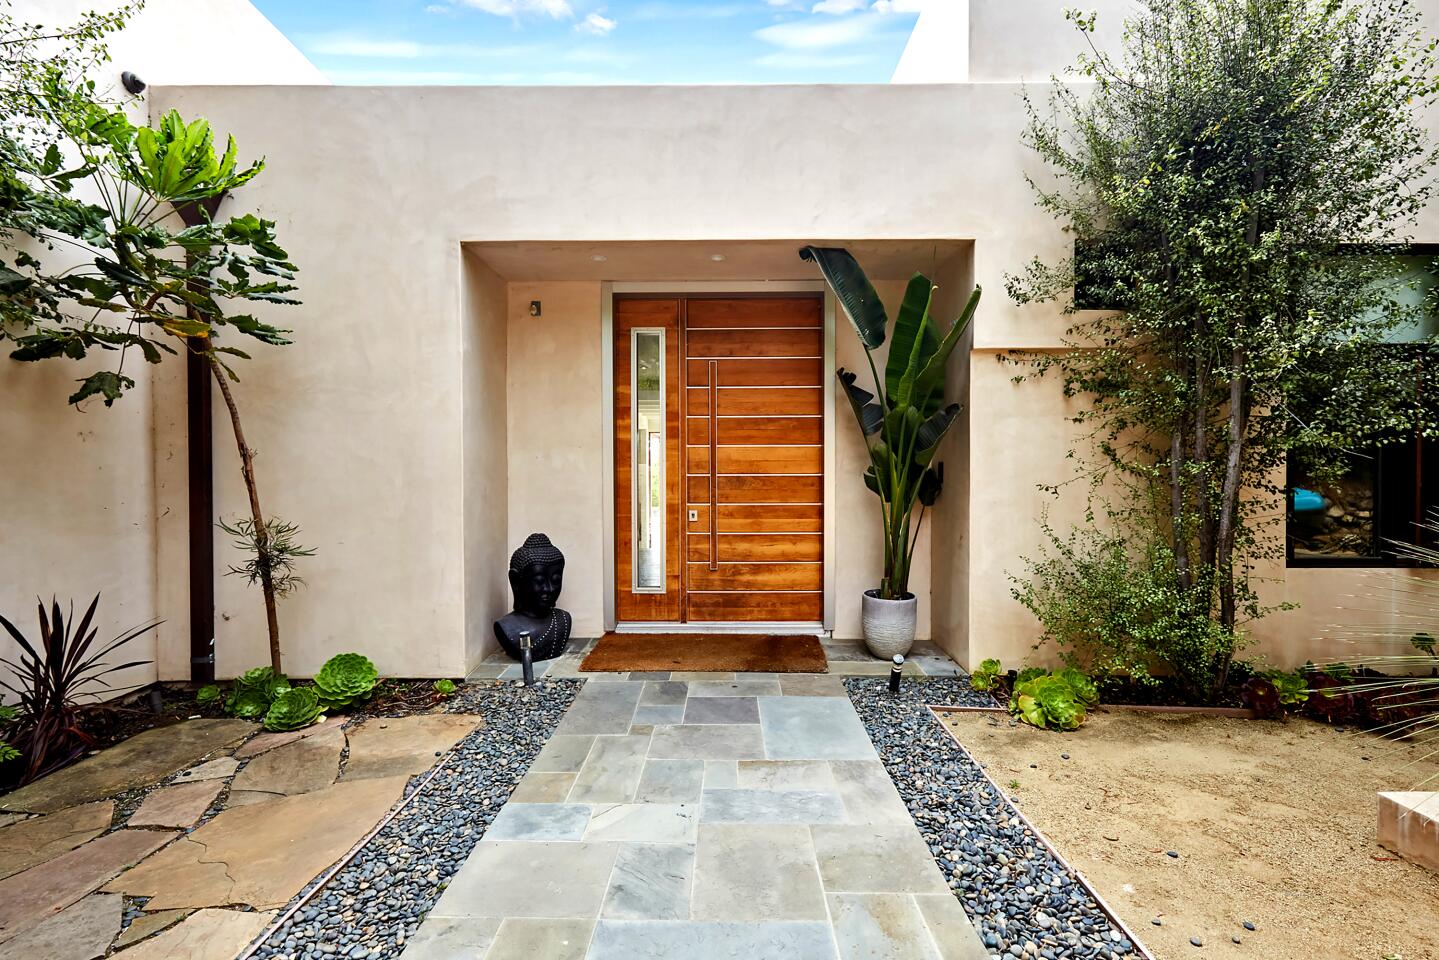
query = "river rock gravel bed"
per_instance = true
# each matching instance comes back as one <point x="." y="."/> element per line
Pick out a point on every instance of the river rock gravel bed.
<point x="1021" y="900"/>
<point x="374" y="904"/>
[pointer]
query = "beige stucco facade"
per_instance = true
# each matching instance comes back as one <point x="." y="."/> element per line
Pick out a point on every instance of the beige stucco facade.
<point x="423" y="422"/>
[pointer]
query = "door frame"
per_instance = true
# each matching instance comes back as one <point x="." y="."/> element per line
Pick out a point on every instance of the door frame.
<point x="608" y="290"/>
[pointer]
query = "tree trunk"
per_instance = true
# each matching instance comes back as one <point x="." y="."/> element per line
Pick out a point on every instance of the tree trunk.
<point x="1178" y="535"/>
<point x="1229" y="494"/>
<point x="262" y="533"/>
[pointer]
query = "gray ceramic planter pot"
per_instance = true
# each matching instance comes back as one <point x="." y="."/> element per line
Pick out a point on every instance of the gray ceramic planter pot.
<point x="888" y="625"/>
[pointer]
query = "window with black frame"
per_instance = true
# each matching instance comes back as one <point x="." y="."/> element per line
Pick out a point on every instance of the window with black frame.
<point x="1378" y="499"/>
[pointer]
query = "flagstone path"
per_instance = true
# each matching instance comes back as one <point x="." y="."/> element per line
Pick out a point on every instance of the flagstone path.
<point x="195" y="833"/>
<point x="708" y="817"/>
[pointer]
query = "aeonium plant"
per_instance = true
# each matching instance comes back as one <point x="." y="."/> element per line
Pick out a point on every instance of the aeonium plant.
<point x="906" y="417"/>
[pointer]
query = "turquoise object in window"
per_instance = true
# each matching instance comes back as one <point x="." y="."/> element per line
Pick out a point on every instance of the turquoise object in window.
<point x="1307" y="501"/>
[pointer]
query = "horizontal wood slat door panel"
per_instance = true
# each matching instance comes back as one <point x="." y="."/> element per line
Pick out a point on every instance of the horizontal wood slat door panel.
<point x="747" y="431"/>
<point x="754" y="458"/>
<point x="761" y="547"/>
<point x="704" y="344"/>
<point x="758" y="459"/>
<point x="757" y="401"/>
<point x="800" y="607"/>
<point x="755" y="312"/>
<point x="775" y="372"/>
<point x="757" y="576"/>
<point x="758" y="489"/>
<point x="631" y="605"/>
<point x="761" y="518"/>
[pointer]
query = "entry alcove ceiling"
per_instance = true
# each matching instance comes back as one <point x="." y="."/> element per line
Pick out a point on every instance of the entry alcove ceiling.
<point x="700" y="260"/>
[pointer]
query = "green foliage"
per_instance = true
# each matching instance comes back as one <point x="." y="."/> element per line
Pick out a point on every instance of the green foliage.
<point x="8" y="715"/>
<point x="207" y="695"/>
<point x="906" y="418"/>
<point x="986" y="676"/>
<point x="1114" y="609"/>
<point x="1214" y="178"/>
<point x="445" y="688"/>
<point x="345" y="678"/>
<point x="1052" y="701"/>
<point x="1291" y="688"/>
<point x="293" y="709"/>
<point x="254" y="691"/>
<point x="271" y="556"/>
<point x="49" y="678"/>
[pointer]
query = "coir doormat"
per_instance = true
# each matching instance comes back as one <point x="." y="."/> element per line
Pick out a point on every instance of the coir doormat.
<point x="706" y="653"/>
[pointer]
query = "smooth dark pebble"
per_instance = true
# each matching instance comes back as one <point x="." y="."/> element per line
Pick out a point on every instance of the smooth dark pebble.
<point x="1248" y="925"/>
<point x="1157" y="922"/>
<point x="1196" y="941"/>
<point x="1172" y="853"/>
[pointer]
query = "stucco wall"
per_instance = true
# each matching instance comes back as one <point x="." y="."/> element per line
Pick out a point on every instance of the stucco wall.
<point x="485" y="490"/>
<point x="360" y="421"/>
<point x="556" y="444"/>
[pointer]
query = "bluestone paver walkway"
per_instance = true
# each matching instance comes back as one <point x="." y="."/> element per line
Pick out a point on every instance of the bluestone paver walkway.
<point x="744" y="818"/>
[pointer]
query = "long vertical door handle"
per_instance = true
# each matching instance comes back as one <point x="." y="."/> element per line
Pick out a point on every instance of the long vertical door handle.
<point x="714" y="464"/>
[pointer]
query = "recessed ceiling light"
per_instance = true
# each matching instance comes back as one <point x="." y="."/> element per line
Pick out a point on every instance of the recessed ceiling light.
<point x="599" y="258"/>
<point x="718" y="257"/>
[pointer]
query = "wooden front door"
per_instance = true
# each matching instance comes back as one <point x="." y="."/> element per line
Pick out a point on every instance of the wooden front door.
<point x="740" y="507"/>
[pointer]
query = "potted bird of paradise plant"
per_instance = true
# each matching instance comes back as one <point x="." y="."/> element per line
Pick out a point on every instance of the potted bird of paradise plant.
<point x="903" y="423"/>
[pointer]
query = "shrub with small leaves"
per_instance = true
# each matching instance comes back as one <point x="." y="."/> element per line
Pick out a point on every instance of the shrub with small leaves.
<point x="295" y="708"/>
<point x="345" y="678"/>
<point x="445" y="688"/>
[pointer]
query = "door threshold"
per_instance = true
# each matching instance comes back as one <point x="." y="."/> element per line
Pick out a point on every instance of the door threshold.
<point x="787" y="628"/>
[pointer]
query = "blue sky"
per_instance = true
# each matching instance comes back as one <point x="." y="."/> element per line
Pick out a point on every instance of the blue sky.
<point x="598" y="41"/>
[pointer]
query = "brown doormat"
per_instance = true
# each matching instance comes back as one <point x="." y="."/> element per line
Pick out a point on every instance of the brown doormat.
<point x="705" y="652"/>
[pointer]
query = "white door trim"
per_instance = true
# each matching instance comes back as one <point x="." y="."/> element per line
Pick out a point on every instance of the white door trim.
<point x="607" y="356"/>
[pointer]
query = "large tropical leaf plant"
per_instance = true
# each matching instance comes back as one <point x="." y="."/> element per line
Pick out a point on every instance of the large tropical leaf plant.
<point x="906" y="417"/>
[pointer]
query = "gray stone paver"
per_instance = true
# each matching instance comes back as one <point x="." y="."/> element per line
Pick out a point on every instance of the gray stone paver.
<point x="707" y="816"/>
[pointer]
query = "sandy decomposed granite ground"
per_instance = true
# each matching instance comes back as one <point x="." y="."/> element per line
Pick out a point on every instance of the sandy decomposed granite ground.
<point x="1273" y="822"/>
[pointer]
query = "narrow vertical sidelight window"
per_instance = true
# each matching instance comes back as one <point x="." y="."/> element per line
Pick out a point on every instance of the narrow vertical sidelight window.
<point x="648" y="445"/>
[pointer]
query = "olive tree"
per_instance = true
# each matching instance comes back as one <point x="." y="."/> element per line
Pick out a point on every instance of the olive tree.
<point x="1220" y="176"/>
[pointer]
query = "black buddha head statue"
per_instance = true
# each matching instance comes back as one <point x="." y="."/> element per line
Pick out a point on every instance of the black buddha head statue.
<point x="537" y="573"/>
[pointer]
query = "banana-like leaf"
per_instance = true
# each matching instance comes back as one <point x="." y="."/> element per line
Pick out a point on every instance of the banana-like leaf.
<point x="931" y="484"/>
<point x="867" y="412"/>
<point x="853" y="290"/>
<point x="910" y="327"/>
<point x="932" y="377"/>
<point x="932" y="431"/>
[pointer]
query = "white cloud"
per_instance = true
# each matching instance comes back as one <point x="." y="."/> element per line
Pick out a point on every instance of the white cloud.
<point x="559" y="9"/>
<point x="346" y="45"/>
<point x="663" y="10"/>
<point x="820" y="34"/>
<point x="438" y="8"/>
<point x="596" y="24"/>
<point x="839" y="6"/>
<point x="899" y="6"/>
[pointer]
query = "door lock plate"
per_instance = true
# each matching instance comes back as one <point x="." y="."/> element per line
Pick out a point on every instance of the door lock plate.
<point x="694" y="516"/>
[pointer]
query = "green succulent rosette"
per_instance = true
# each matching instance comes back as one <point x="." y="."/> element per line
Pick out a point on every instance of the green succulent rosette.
<point x="248" y="703"/>
<point x="345" y="678"/>
<point x="207" y="695"/>
<point x="295" y="708"/>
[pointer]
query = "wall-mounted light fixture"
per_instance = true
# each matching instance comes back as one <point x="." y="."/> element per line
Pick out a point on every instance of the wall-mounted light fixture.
<point x="534" y="308"/>
<point x="132" y="83"/>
